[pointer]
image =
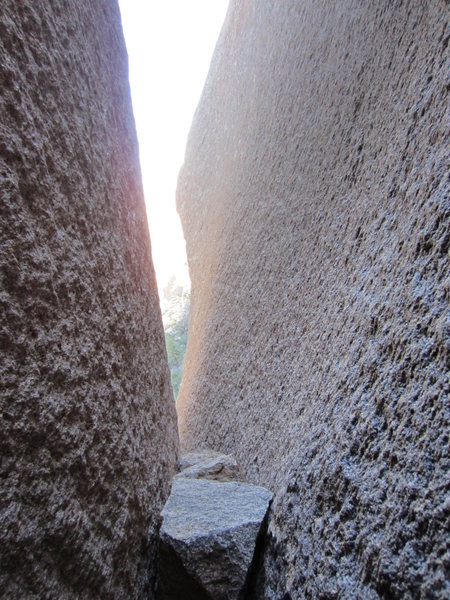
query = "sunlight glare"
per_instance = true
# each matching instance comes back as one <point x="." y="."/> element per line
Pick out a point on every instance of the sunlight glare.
<point x="169" y="45"/>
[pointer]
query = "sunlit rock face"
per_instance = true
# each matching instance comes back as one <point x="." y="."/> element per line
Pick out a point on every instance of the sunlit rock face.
<point x="88" y="430"/>
<point x="314" y="199"/>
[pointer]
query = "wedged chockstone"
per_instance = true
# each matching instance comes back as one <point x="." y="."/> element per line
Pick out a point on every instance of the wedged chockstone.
<point x="208" y="464"/>
<point x="208" y="537"/>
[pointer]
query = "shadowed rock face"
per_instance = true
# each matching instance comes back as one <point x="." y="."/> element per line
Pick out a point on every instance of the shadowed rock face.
<point x="314" y="199"/>
<point x="88" y="430"/>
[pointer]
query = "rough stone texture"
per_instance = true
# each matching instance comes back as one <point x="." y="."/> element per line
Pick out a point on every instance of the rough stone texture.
<point x="208" y="537"/>
<point x="207" y="464"/>
<point x="88" y="431"/>
<point x="315" y="203"/>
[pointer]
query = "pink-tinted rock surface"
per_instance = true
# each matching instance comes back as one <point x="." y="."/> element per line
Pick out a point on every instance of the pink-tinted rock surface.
<point x="315" y="203"/>
<point x="88" y="429"/>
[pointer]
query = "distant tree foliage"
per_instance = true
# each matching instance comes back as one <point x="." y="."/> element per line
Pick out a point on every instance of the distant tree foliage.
<point x="175" y="312"/>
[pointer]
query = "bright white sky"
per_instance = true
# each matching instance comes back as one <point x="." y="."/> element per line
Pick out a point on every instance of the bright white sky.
<point x="170" y="44"/>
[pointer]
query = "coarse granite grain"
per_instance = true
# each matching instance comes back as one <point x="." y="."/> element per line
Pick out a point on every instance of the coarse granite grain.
<point x="315" y="203"/>
<point x="88" y="436"/>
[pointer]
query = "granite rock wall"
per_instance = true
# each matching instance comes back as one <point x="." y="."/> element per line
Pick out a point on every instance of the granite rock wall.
<point x="88" y="435"/>
<point x="315" y="203"/>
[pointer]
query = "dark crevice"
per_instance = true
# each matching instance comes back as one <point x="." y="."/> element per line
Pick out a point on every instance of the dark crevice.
<point x="180" y="584"/>
<point x="254" y="584"/>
